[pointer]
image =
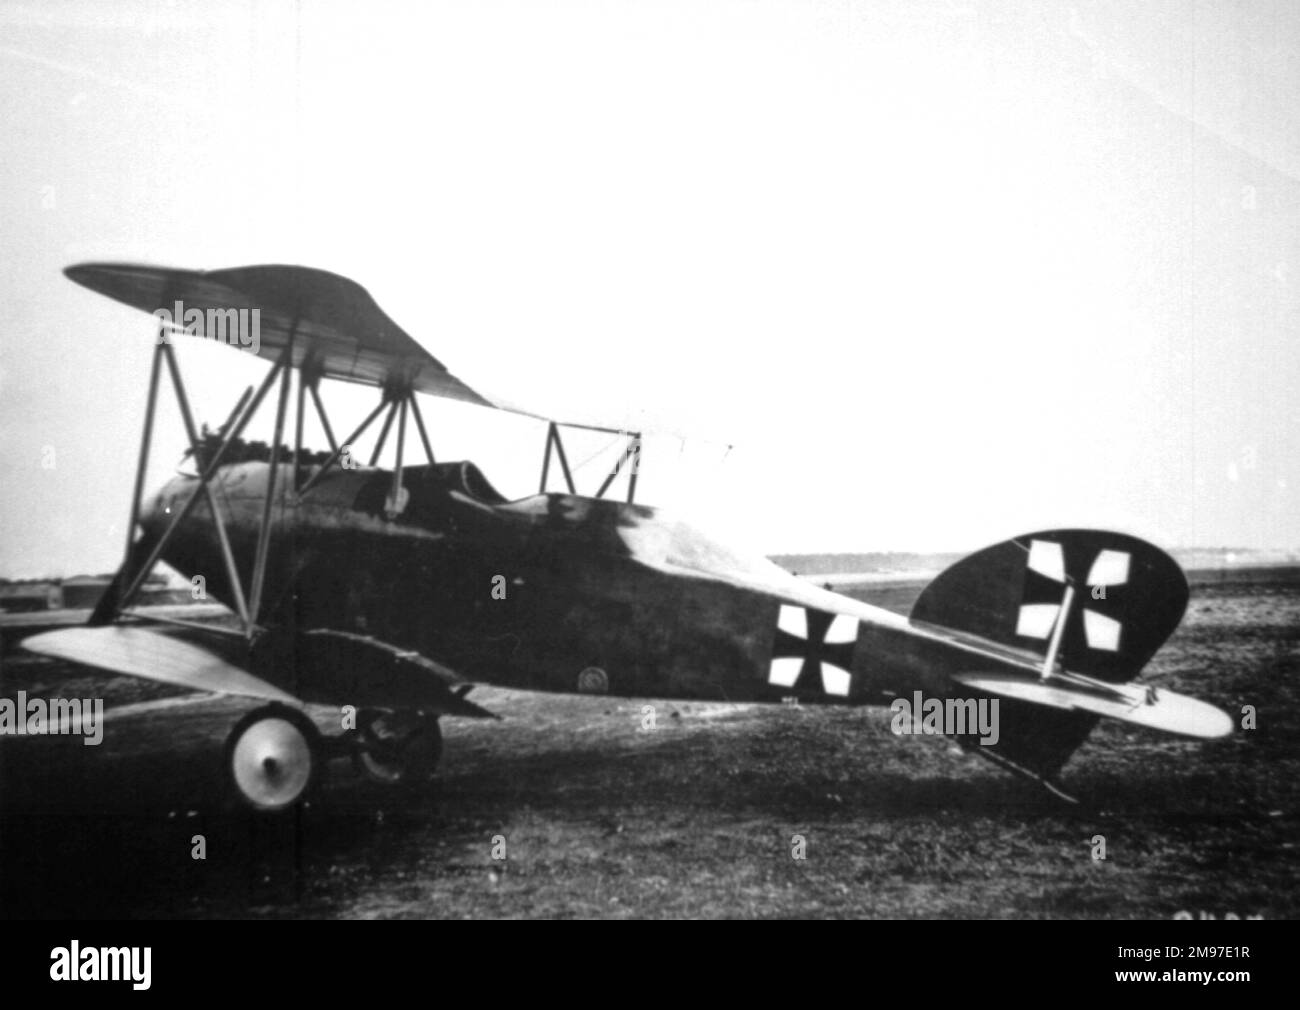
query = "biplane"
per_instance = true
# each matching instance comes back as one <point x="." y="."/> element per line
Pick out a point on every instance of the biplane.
<point x="392" y="592"/>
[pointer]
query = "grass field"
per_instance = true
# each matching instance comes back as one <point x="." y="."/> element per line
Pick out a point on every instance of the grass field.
<point x="696" y="817"/>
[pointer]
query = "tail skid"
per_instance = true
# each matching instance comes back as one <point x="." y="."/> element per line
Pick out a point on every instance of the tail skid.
<point x="1006" y="764"/>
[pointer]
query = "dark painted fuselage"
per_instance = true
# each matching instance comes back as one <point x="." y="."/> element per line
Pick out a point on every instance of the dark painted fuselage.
<point x="550" y="592"/>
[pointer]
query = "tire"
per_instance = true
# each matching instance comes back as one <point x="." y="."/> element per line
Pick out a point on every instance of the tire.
<point x="411" y="756"/>
<point x="272" y="758"/>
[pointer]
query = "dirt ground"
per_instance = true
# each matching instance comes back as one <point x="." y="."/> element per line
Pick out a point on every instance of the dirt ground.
<point x="697" y="817"/>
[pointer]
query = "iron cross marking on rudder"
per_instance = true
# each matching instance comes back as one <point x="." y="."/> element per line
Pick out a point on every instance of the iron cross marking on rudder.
<point x="813" y="651"/>
<point x="1095" y="577"/>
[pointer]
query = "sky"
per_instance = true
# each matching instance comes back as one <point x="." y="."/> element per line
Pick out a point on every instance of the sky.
<point x="885" y="276"/>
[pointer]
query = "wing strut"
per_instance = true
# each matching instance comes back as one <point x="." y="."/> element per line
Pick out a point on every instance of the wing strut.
<point x="115" y="601"/>
<point x="398" y="401"/>
<point x="273" y="470"/>
<point x="320" y="410"/>
<point x="394" y="505"/>
<point x="424" y="435"/>
<point x="629" y="460"/>
<point x="227" y="555"/>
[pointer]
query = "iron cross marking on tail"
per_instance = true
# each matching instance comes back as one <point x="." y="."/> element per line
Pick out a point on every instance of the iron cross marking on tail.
<point x="813" y="651"/>
<point x="1096" y="578"/>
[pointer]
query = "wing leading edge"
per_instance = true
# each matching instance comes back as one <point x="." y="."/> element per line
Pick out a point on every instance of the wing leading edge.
<point x="339" y="330"/>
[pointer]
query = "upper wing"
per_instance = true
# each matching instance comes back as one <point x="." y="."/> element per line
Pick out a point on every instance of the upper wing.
<point x="340" y="331"/>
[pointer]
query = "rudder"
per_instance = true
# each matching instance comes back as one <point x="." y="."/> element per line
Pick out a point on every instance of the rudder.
<point x="1128" y="597"/>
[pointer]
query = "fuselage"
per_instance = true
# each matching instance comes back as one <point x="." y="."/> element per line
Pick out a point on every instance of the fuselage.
<point x="551" y="592"/>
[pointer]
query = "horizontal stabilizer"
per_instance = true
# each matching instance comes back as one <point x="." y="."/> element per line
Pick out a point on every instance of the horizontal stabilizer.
<point x="1131" y="703"/>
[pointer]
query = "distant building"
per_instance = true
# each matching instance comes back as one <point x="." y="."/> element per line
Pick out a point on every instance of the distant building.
<point x="82" y="592"/>
<point x="29" y="595"/>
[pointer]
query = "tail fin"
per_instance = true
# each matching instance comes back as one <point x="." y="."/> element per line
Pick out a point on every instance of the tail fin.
<point x="1127" y="599"/>
<point x="1121" y="597"/>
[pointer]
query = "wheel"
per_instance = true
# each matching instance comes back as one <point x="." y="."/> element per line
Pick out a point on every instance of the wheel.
<point x="395" y="747"/>
<point x="378" y="754"/>
<point x="272" y="756"/>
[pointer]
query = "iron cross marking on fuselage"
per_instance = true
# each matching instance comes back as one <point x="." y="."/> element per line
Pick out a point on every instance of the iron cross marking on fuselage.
<point x="815" y="652"/>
